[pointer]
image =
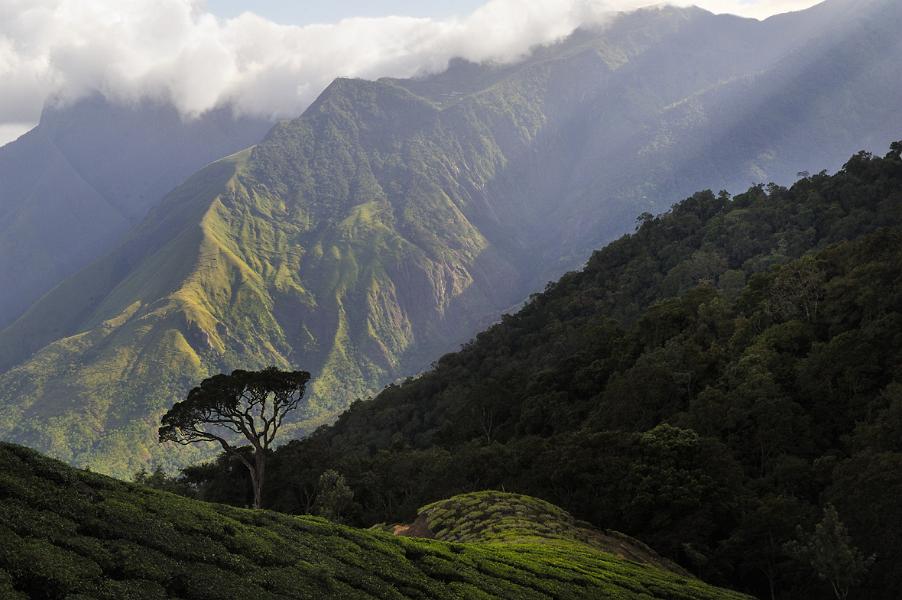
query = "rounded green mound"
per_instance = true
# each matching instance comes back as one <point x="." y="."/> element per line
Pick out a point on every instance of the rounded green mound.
<point x="493" y="516"/>
<point x="506" y="518"/>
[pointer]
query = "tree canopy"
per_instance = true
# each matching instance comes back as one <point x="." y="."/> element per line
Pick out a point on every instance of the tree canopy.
<point x="248" y="405"/>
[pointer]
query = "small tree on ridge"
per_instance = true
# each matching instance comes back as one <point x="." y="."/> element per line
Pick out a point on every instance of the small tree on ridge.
<point x="251" y="404"/>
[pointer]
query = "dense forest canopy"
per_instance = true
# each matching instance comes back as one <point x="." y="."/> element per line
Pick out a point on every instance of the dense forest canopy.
<point x="705" y="384"/>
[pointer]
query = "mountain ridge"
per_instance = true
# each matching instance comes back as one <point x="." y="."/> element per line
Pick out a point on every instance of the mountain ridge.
<point x="72" y="187"/>
<point x="383" y="228"/>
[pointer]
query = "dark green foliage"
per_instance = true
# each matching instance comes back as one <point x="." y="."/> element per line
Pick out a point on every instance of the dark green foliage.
<point x="705" y="385"/>
<point x="160" y="480"/>
<point x="72" y="534"/>
<point x="866" y="489"/>
<point x="831" y="554"/>
<point x="248" y="405"/>
<point x="333" y="496"/>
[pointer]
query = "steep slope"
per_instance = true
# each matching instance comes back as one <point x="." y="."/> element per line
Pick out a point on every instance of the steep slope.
<point x="767" y="124"/>
<point x="395" y="218"/>
<point x="296" y="255"/>
<point x="706" y="384"/>
<point x="72" y="187"/>
<point x="68" y="533"/>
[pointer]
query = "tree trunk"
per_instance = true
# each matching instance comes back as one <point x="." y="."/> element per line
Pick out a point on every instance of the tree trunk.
<point x="257" y="477"/>
<point x="256" y="470"/>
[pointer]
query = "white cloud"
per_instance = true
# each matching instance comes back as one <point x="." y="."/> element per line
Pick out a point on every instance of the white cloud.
<point x="175" y="49"/>
<point x="758" y="9"/>
<point x="11" y="131"/>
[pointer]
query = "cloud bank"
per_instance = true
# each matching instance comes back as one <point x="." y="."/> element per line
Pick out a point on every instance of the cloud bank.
<point x="175" y="50"/>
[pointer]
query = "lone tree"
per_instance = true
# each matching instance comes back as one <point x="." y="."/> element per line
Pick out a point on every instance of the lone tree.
<point x="252" y="404"/>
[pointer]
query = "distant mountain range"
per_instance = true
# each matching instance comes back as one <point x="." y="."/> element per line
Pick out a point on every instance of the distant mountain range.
<point x="71" y="188"/>
<point x="395" y="218"/>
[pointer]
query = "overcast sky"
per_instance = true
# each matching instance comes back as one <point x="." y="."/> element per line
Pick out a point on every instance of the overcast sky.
<point x="304" y="12"/>
<point x="267" y="57"/>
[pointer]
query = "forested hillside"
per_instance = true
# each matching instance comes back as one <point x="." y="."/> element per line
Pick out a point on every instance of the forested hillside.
<point x="70" y="534"/>
<point x="705" y="384"/>
<point x="396" y="218"/>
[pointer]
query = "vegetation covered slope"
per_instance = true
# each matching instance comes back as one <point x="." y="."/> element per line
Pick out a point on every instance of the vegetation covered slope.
<point x="705" y="384"/>
<point x="71" y="534"/>
<point x="493" y="516"/>
<point x="396" y="218"/>
<point x="71" y="188"/>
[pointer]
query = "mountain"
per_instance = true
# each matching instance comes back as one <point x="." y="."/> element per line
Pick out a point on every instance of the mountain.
<point x="67" y="533"/>
<point x="708" y="384"/>
<point x="396" y="218"/>
<point x="73" y="186"/>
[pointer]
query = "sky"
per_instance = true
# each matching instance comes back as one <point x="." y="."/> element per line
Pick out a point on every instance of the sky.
<point x="305" y="12"/>
<point x="267" y="57"/>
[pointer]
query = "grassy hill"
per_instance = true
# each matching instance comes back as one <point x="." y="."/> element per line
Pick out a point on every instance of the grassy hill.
<point x="502" y="517"/>
<point x="70" y="534"/>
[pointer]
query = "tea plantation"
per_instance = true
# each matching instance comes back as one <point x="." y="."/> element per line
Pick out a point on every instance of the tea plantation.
<point x="75" y="535"/>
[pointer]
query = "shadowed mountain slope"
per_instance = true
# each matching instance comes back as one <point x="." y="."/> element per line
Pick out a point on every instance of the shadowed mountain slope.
<point x="72" y="187"/>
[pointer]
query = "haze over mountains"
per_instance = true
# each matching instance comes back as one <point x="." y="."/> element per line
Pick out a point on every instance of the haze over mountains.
<point x="73" y="186"/>
<point x="394" y="219"/>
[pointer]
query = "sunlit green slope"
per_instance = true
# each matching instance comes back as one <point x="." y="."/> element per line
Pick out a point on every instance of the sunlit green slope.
<point x="316" y="248"/>
<point x="66" y="533"/>
<point x="501" y="517"/>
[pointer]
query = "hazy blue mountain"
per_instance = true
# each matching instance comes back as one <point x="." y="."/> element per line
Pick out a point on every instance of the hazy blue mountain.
<point x="75" y="184"/>
<point x="395" y="218"/>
